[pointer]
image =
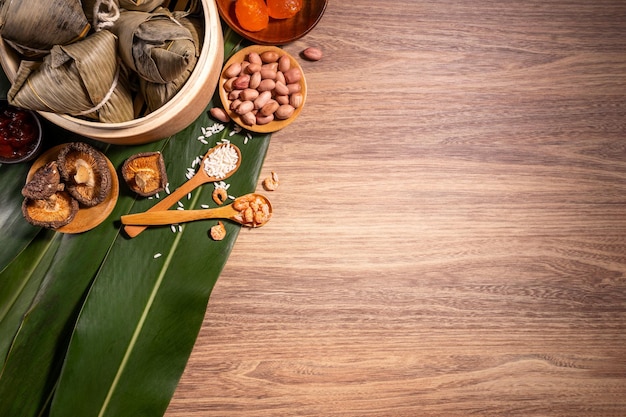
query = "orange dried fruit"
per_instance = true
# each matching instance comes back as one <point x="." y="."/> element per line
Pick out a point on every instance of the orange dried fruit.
<point x="252" y="15"/>
<point x="283" y="9"/>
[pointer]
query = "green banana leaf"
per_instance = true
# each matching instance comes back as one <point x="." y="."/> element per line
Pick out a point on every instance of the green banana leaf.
<point x="101" y="324"/>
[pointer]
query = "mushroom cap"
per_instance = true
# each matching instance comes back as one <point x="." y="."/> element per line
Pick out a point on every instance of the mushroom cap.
<point x="45" y="182"/>
<point x="85" y="172"/>
<point x="145" y="173"/>
<point x="53" y="212"/>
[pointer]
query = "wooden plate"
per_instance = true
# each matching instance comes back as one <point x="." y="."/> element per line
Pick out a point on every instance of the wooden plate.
<point x="278" y="32"/>
<point x="276" y="124"/>
<point x="87" y="217"/>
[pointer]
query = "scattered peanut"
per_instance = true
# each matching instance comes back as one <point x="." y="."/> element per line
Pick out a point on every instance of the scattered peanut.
<point x="312" y="54"/>
<point x="263" y="88"/>
<point x="219" y="114"/>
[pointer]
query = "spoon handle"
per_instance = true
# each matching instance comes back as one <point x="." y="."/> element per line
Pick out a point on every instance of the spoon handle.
<point x="154" y="218"/>
<point x="170" y="200"/>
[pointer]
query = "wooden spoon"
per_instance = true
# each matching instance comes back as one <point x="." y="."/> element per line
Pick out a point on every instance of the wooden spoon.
<point x="200" y="177"/>
<point x="234" y="211"/>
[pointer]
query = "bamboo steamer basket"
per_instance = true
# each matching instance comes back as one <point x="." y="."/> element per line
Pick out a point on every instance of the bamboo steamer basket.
<point x="186" y="106"/>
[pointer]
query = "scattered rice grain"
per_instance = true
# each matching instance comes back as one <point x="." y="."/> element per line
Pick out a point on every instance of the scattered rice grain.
<point x="157" y="255"/>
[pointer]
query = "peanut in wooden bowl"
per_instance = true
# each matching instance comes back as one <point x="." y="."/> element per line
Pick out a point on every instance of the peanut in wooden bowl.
<point x="175" y="115"/>
<point x="274" y="125"/>
<point x="87" y="217"/>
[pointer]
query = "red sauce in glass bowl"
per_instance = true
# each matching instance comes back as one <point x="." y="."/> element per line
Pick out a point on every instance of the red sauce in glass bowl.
<point x="20" y="134"/>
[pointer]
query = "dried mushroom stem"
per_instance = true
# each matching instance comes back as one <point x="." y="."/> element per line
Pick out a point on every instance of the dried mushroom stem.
<point x="84" y="173"/>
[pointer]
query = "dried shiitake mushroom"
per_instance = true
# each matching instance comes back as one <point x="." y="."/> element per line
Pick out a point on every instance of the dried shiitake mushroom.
<point x="145" y="173"/>
<point x="85" y="171"/>
<point x="45" y="182"/>
<point x="53" y="212"/>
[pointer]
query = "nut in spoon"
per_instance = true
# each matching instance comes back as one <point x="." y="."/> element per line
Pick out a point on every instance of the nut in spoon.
<point x="224" y="153"/>
<point x="251" y="210"/>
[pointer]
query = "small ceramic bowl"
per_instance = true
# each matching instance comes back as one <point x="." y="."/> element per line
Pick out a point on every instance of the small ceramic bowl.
<point x="20" y="134"/>
<point x="276" y="124"/>
<point x="279" y="31"/>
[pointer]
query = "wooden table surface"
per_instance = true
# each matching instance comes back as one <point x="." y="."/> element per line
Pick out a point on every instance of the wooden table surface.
<point x="449" y="236"/>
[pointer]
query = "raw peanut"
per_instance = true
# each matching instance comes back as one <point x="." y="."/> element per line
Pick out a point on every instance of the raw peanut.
<point x="244" y="64"/>
<point x="234" y="104"/>
<point x="268" y="73"/>
<point x="281" y="89"/>
<point x="269" y="108"/>
<point x="249" y="94"/>
<point x="271" y="65"/>
<point x="244" y="107"/>
<point x="266" y="85"/>
<point x="281" y="77"/>
<point x="282" y="99"/>
<point x="269" y="56"/>
<point x="284" y="111"/>
<point x="255" y="80"/>
<point x="284" y="63"/>
<point x="263" y="120"/>
<point x="234" y="95"/>
<point x="242" y="82"/>
<point x="228" y="84"/>
<point x="248" y="118"/>
<point x="312" y="53"/>
<point x="252" y="68"/>
<point x="219" y="114"/>
<point x="233" y="70"/>
<point x="262" y="99"/>
<point x="294" y="88"/>
<point x="293" y="75"/>
<point x="255" y="58"/>
<point x="296" y="100"/>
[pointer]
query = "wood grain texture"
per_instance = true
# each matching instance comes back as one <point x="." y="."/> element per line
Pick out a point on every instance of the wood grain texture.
<point x="449" y="235"/>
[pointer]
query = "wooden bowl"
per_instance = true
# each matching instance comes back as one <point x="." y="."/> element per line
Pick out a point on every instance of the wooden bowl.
<point x="278" y="32"/>
<point x="87" y="217"/>
<point x="276" y="124"/>
<point x="174" y="116"/>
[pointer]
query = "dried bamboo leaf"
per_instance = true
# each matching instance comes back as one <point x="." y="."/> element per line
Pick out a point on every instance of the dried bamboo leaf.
<point x="83" y="78"/>
<point x="21" y="23"/>
<point x="155" y="45"/>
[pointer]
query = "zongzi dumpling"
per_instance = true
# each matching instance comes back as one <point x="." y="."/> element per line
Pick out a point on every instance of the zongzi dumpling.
<point x="154" y="45"/>
<point x="21" y="23"/>
<point x="81" y="79"/>
<point x="157" y="94"/>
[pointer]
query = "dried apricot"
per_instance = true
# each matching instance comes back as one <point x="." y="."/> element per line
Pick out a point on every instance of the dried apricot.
<point x="283" y="9"/>
<point x="252" y="15"/>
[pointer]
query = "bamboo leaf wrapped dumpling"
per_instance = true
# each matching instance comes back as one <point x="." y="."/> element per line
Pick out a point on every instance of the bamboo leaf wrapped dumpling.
<point x="22" y="21"/>
<point x="154" y="45"/>
<point x="81" y="79"/>
<point x="157" y="94"/>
